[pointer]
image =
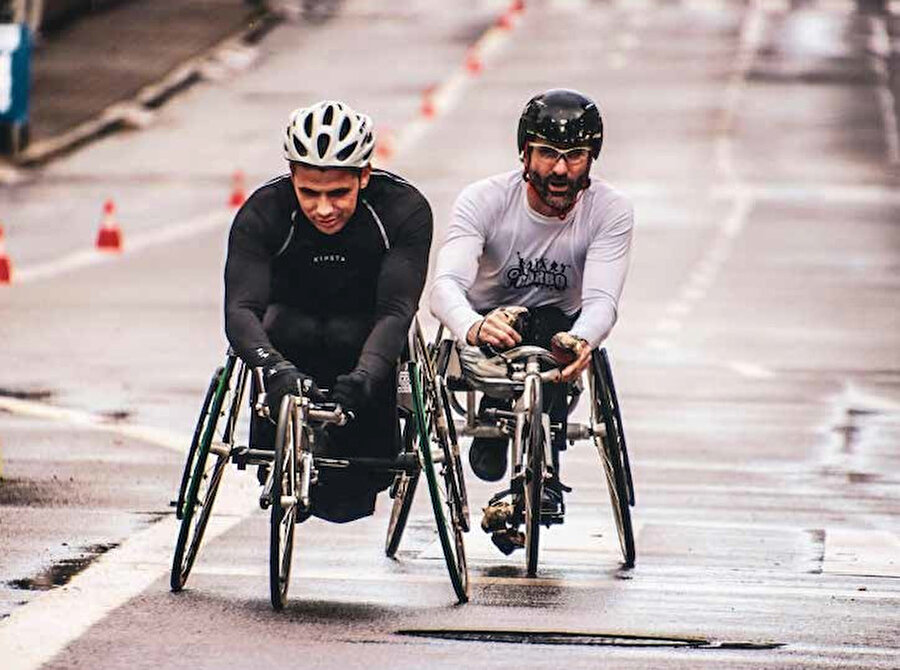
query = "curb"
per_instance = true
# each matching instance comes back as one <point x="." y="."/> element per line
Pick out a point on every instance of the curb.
<point x="234" y="53"/>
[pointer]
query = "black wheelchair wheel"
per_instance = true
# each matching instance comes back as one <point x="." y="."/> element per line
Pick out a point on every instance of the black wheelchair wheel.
<point x="610" y="446"/>
<point x="443" y="486"/>
<point x="213" y="436"/>
<point x="606" y="371"/>
<point x="284" y="504"/>
<point x="534" y="483"/>
<point x="403" y="492"/>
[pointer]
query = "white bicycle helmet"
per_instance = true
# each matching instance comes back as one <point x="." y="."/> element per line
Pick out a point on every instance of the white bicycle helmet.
<point x="329" y="134"/>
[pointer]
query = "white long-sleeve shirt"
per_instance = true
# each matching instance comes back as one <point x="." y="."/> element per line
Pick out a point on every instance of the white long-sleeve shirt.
<point x="499" y="251"/>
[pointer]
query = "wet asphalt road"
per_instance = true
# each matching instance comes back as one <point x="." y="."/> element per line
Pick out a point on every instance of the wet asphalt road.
<point x="756" y="356"/>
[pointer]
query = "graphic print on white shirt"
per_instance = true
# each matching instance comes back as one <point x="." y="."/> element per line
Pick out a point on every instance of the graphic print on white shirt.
<point x="538" y="272"/>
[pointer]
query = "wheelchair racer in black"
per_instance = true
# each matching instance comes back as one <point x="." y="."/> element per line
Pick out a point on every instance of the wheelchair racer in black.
<point x="324" y="273"/>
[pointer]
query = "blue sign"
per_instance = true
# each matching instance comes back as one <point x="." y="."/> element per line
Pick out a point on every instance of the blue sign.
<point x="15" y="72"/>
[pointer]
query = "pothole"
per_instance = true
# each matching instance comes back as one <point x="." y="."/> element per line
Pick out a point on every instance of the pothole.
<point x="61" y="572"/>
<point x="585" y="639"/>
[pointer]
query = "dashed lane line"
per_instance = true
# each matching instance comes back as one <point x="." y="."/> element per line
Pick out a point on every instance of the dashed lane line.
<point x="132" y="245"/>
<point x="149" y="434"/>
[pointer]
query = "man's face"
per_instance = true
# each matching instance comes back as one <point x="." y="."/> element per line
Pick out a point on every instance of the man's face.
<point x="328" y="197"/>
<point x="557" y="175"/>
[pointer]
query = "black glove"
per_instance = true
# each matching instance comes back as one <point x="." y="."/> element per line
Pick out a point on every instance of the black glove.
<point x="352" y="391"/>
<point x="282" y="379"/>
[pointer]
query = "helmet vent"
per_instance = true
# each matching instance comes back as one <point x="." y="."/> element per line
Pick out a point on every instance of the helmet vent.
<point x="328" y="116"/>
<point x="322" y="144"/>
<point x="345" y="129"/>
<point x="307" y="125"/>
<point x="345" y="153"/>
<point x="298" y="145"/>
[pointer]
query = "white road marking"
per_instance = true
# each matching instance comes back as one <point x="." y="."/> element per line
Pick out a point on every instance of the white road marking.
<point x="668" y="326"/>
<point x="617" y="61"/>
<point x="866" y="552"/>
<point x="132" y="245"/>
<point x="880" y="50"/>
<point x="751" y="370"/>
<point x="152" y="435"/>
<point x="678" y="308"/>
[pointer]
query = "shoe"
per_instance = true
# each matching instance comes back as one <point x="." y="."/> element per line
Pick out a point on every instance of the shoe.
<point x="508" y="541"/>
<point x="487" y="456"/>
<point x="552" y="504"/>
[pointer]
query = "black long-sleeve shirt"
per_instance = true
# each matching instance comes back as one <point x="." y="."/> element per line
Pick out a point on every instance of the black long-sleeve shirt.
<point x="374" y="268"/>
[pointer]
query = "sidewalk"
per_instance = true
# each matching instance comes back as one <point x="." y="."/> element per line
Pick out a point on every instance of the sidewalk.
<point x="134" y="50"/>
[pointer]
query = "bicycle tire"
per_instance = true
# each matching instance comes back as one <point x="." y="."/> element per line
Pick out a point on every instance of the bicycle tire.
<point x="444" y="507"/>
<point x="610" y="451"/>
<point x="404" y="490"/>
<point x="283" y="520"/>
<point x="534" y="485"/>
<point x="193" y="525"/>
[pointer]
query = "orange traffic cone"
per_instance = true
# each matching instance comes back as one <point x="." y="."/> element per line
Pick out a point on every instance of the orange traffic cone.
<point x="385" y="147"/>
<point x="504" y="21"/>
<point x="473" y="61"/>
<point x="109" y="237"/>
<point x="428" y="108"/>
<point x="238" y="196"/>
<point x="6" y="270"/>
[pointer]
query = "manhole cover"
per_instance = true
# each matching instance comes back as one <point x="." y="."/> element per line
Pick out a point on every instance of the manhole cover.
<point x="582" y="639"/>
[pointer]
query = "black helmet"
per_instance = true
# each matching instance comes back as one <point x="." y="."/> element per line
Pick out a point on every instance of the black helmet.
<point x="563" y="117"/>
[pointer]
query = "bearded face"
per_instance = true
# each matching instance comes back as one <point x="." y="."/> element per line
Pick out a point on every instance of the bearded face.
<point x="558" y="191"/>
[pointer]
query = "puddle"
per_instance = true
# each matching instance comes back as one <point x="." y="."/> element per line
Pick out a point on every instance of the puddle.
<point x="20" y="394"/>
<point x="584" y="639"/>
<point x="61" y="572"/>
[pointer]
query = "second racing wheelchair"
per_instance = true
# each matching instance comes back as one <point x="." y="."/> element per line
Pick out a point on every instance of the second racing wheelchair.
<point x="514" y="516"/>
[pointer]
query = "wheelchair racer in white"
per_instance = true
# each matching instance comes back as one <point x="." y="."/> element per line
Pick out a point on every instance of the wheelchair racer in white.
<point x="545" y="237"/>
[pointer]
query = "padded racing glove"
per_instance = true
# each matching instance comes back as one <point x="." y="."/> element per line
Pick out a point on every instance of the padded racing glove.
<point x="352" y="391"/>
<point x="283" y="378"/>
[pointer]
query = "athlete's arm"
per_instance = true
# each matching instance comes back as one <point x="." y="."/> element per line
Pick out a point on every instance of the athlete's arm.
<point x="400" y="283"/>
<point x="247" y="286"/>
<point x="457" y="267"/>
<point x="605" y="269"/>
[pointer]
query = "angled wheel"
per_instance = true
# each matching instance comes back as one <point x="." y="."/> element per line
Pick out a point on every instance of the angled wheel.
<point x="284" y="504"/>
<point x="207" y="458"/>
<point x="606" y="373"/>
<point x="443" y="477"/>
<point x="403" y="492"/>
<point x="611" y="446"/>
<point x="534" y="482"/>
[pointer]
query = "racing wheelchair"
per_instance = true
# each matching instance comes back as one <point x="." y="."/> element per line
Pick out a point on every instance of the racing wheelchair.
<point x="519" y="374"/>
<point x="428" y="444"/>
